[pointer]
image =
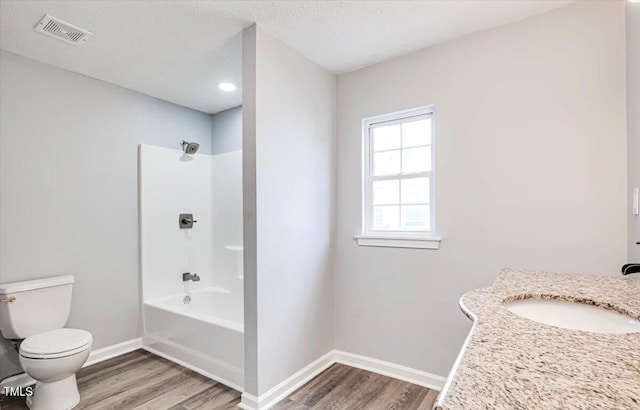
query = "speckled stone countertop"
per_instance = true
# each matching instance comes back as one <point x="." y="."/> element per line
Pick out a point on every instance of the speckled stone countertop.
<point x="509" y="362"/>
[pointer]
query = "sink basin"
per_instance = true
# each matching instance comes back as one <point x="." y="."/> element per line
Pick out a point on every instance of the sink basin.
<point x="575" y="316"/>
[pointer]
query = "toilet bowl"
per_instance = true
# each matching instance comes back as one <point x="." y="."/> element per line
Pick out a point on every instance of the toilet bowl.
<point x="52" y="358"/>
<point x="36" y="311"/>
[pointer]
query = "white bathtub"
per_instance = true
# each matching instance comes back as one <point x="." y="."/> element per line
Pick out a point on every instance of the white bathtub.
<point x="205" y="335"/>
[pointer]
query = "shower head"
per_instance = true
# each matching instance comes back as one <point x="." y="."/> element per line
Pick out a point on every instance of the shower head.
<point x="190" y="147"/>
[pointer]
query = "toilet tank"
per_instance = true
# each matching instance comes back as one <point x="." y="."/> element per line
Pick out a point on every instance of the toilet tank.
<point x="34" y="306"/>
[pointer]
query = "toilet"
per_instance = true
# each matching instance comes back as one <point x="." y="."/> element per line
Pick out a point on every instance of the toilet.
<point x="35" y="312"/>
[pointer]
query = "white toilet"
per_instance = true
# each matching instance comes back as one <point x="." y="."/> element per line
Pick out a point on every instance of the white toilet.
<point x="36" y="311"/>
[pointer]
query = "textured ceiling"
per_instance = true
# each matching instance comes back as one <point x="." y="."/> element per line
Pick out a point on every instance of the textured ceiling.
<point x="180" y="50"/>
<point x="173" y="50"/>
<point x="345" y="35"/>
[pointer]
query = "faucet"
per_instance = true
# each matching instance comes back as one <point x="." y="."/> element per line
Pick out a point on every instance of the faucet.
<point x="192" y="277"/>
<point x="630" y="268"/>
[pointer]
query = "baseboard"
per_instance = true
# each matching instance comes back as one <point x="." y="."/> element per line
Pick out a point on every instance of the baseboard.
<point x="407" y="374"/>
<point x="109" y="352"/>
<point x="96" y="356"/>
<point x="288" y="386"/>
<point x="248" y="402"/>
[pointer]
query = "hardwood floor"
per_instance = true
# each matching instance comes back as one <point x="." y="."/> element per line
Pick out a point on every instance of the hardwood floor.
<point x="344" y="387"/>
<point x="140" y="380"/>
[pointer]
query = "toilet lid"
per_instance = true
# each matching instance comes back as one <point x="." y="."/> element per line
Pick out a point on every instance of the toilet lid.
<point x="56" y="343"/>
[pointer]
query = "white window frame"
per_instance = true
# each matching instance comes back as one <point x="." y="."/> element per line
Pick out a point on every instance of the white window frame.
<point x="401" y="239"/>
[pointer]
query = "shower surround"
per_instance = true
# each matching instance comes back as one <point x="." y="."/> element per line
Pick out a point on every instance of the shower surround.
<point x="196" y="324"/>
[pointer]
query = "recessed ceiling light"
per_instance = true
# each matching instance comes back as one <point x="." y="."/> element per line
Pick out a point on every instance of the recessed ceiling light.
<point x="227" y="87"/>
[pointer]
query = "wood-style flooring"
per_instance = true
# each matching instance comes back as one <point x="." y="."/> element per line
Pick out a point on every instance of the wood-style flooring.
<point x="344" y="387"/>
<point x="141" y="380"/>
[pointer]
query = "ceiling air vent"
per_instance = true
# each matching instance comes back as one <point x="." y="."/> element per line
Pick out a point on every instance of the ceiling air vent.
<point x="62" y="30"/>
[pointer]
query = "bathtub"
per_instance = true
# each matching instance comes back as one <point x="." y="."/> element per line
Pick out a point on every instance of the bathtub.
<point x="202" y="330"/>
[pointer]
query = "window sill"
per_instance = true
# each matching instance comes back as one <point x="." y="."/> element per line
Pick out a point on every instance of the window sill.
<point x="430" y="242"/>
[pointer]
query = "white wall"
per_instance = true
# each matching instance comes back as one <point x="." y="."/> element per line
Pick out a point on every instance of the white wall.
<point x="633" y="120"/>
<point x="249" y="206"/>
<point x="226" y="210"/>
<point x="226" y="132"/>
<point x="531" y="173"/>
<point x="68" y="162"/>
<point x="209" y="187"/>
<point x="293" y="104"/>
<point x="172" y="183"/>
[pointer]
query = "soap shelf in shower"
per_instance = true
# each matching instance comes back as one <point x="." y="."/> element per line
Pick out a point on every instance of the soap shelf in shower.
<point x="239" y="256"/>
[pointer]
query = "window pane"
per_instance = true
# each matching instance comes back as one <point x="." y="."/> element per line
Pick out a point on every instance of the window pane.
<point x="386" y="192"/>
<point x="415" y="218"/>
<point x="386" y="218"/>
<point x="386" y="163"/>
<point x="416" y="160"/>
<point x="416" y="133"/>
<point x="387" y="137"/>
<point x="415" y="191"/>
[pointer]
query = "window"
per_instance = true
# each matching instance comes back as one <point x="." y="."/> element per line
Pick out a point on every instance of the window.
<point x="398" y="180"/>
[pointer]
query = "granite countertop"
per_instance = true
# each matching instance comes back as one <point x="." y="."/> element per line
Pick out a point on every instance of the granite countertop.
<point x="509" y="362"/>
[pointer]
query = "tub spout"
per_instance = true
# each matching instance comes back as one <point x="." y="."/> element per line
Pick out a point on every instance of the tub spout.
<point x="192" y="277"/>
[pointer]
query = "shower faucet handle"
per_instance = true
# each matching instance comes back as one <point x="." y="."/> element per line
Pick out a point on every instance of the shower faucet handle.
<point x="186" y="221"/>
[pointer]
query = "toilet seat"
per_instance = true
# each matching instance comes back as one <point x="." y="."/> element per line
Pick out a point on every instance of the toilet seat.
<point x="55" y="344"/>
